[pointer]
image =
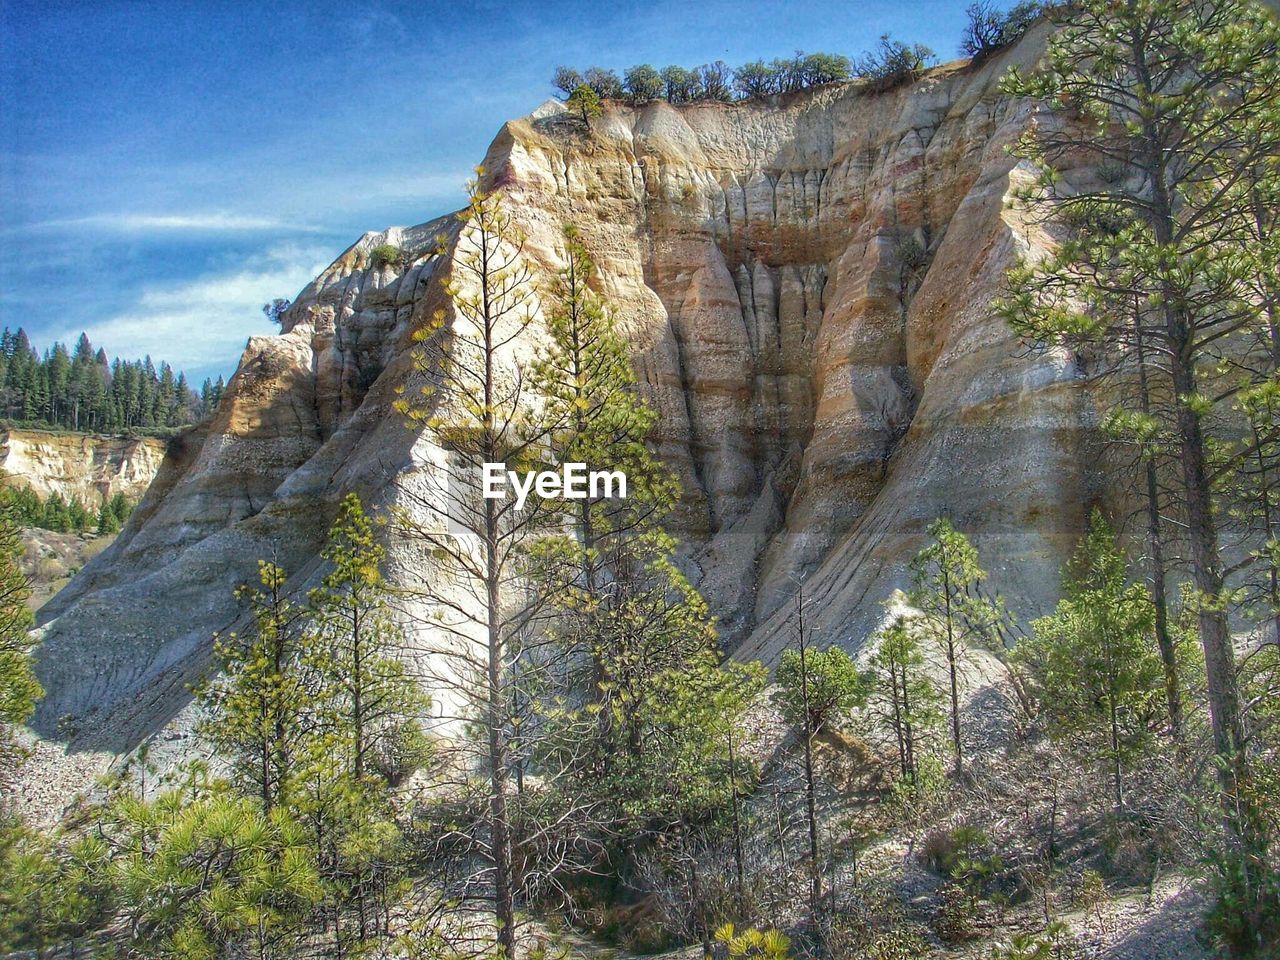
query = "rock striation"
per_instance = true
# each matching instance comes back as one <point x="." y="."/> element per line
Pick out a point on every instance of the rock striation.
<point x="806" y="284"/>
<point x="76" y="466"/>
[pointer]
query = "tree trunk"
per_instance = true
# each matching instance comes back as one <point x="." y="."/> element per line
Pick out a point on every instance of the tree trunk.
<point x="1215" y="634"/>
<point x="898" y="730"/>
<point x="783" y="863"/>
<point x="357" y="706"/>
<point x="499" y="826"/>
<point x="951" y="667"/>
<point x="1159" y="590"/>
<point x="695" y="895"/>
<point x="499" y="758"/>
<point x="909" y="734"/>
<point x="1268" y="524"/>
<point x="1118" y="784"/>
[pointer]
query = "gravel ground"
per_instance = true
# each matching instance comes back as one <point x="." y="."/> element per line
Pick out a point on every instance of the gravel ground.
<point x="52" y="779"/>
<point x="51" y="559"/>
<point x="1138" y="926"/>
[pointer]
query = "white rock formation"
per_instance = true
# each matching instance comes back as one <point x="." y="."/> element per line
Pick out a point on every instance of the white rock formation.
<point x="85" y="467"/>
<point x="806" y="283"/>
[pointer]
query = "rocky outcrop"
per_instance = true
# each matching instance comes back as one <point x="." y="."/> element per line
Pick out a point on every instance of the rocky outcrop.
<point x="76" y="466"/>
<point x="806" y="284"/>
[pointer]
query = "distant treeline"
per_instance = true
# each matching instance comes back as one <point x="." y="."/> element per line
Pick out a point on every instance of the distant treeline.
<point x="27" y="509"/>
<point x="888" y="64"/>
<point x="81" y="389"/>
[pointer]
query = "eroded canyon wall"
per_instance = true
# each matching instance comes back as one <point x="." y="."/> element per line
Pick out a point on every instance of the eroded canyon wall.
<point x="806" y="285"/>
<point x="76" y="466"/>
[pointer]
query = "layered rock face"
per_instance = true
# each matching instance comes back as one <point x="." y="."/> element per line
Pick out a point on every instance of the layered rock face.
<point x="806" y="285"/>
<point x="88" y="468"/>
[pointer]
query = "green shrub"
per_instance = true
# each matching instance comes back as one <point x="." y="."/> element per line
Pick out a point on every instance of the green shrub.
<point x="1055" y="942"/>
<point x="643" y="83"/>
<point x="988" y="29"/>
<point x="911" y="254"/>
<point x="1089" y="890"/>
<point x="682" y="85"/>
<point x="385" y="255"/>
<point x="55" y="892"/>
<point x="1136" y="846"/>
<point x="753" y="944"/>
<point x="755" y="79"/>
<point x="1245" y="918"/>
<point x="1112" y="172"/>
<point x="827" y="681"/>
<point x="648" y="936"/>
<point x="948" y="851"/>
<point x="715" y="81"/>
<point x="913" y="801"/>
<point x="892" y="63"/>
<point x="964" y="856"/>
<point x="585" y="102"/>
<point x="604" y="82"/>
<point x="953" y="919"/>
<point x="900" y="943"/>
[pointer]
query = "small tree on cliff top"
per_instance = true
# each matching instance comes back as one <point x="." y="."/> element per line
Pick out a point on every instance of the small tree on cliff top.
<point x="585" y="102"/>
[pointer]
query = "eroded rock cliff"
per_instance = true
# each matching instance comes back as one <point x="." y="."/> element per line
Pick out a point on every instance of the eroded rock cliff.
<point x="76" y="466"/>
<point x="806" y="284"/>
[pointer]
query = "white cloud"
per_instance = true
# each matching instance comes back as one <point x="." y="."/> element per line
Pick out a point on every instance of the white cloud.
<point x="202" y="324"/>
<point x="424" y="185"/>
<point x="422" y="190"/>
<point x="422" y="193"/>
<point x="210" y="222"/>
<point x="374" y="25"/>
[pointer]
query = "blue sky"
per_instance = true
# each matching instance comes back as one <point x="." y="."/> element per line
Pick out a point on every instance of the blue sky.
<point x="167" y="166"/>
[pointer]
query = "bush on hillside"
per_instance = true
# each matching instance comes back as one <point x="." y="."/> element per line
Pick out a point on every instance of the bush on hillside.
<point x="643" y="83"/>
<point x="385" y="254"/>
<point x="710" y="81"/>
<point x="892" y="63"/>
<point x="989" y="29"/>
